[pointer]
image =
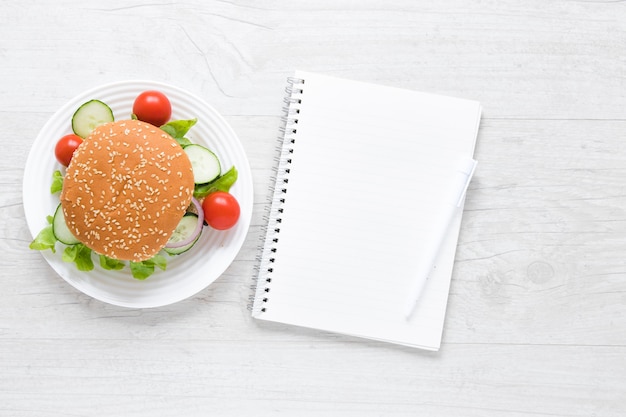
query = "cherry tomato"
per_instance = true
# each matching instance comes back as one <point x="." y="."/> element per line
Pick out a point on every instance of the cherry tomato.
<point x="152" y="107"/>
<point x="65" y="147"/>
<point x="221" y="210"/>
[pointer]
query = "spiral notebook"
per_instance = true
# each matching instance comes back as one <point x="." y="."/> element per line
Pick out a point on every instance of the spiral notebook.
<point x="363" y="174"/>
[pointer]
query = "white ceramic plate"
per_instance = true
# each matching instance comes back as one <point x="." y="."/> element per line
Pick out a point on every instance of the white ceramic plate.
<point x="186" y="274"/>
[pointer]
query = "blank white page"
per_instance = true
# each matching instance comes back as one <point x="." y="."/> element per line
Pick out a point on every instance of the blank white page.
<point x="369" y="173"/>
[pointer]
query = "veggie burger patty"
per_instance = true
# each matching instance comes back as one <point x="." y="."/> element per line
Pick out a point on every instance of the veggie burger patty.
<point x="126" y="189"/>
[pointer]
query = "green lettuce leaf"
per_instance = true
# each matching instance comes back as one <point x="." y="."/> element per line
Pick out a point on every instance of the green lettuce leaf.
<point x="178" y="129"/>
<point x="57" y="182"/>
<point x="80" y="255"/>
<point x="110" y="264"/>
<point x="45" y="239"/>
<point x="221" y="183"/>
<point x="142" y="270"/>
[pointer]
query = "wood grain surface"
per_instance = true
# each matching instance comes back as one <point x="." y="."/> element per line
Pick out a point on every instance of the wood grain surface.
<point x="536" y="322"/>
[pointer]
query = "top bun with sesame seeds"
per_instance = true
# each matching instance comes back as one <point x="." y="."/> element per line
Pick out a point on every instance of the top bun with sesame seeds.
<point x="125" y="190"/>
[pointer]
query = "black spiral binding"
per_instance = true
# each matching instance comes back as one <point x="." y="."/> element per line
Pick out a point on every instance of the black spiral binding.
<point x="275" y="208"/>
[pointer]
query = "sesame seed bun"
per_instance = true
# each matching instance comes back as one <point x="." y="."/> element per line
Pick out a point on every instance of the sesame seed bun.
<point x="127" y="187"/>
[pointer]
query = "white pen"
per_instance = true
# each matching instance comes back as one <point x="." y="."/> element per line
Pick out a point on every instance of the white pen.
<point x="452" y="207"/>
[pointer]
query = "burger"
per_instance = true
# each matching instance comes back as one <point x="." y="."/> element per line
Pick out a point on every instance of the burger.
<point x="126" y="189"/>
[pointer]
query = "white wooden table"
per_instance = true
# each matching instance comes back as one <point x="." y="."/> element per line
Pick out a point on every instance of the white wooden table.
<point x="536" y="323"/>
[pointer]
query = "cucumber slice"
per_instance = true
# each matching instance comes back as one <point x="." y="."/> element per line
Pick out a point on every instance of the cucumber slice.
<point x="60" y="229"/>
<point x="183" y="231"/>
<point x="89" y="116"/>
<point x="206" y="166"/>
